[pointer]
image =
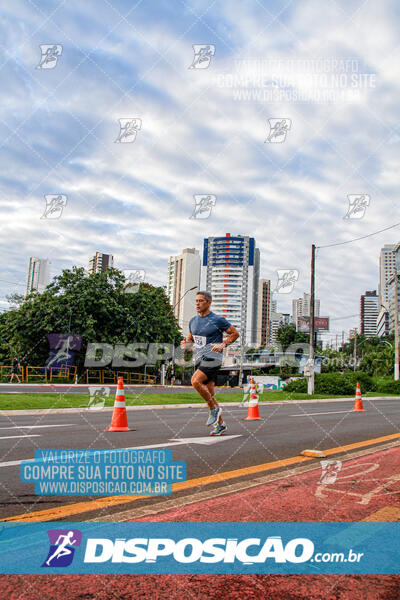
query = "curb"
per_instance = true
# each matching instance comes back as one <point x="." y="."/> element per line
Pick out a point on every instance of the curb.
<point x="56" y="411"/>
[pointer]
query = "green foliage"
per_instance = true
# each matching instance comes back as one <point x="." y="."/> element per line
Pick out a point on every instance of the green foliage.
<point x="389" y="386"/>
<point x="377" y="354"/>
<point x="94" y="307"/>
<point x="287" y="335"/>
<point x="298" y="385"/>
<point x="335" y="383"/>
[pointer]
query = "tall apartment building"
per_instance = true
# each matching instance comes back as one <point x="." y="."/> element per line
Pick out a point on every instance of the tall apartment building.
<point x="386" y="270"/>
<point x="301" y="308"/>
<point x="391" y="286"/>
<point x="184" y="274"/>
<point x="100" y="262"/>
<point x="276" y="320"/>
<point x="369" y="311"/>
<point x="231" y="271"/>
<point x="382" y="322"/>
<point x="263" y="312"/>
<point x="38" y="275"/>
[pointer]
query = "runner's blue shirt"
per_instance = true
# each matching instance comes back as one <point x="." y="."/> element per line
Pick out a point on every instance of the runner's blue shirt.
<point x="207" y="331"/>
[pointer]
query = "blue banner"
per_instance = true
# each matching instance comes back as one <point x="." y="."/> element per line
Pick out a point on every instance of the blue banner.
<point x="154" y="548"/>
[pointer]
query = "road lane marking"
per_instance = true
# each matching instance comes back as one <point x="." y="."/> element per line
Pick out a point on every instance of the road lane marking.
<point x="204" y="441"/>
<point x="26" y="435"/>
<point x="36" y="426"/>
<point x="387" y="514"/>
<point x="332" y="412"/>
<point x="52" y="514"/>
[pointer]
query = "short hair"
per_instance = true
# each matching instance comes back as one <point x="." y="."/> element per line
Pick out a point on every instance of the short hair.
<point x="206" y="295"/>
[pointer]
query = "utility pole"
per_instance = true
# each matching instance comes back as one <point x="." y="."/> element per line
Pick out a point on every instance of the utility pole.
<point x="355" y="349"/>
<point x="310" y="379"/>
<point x="396" y="325"/>
<point x="243" y="336"/>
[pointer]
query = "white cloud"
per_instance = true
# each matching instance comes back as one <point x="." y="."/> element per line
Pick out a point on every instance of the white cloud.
<point x="134" y="200"/>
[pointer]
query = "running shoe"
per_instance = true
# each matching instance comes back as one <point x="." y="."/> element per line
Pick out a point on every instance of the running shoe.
<point x="214" y="416"/>
<point x="218" y="429"/>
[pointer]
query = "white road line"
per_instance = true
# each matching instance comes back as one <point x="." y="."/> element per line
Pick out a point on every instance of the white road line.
<point x="36" y="426"/>
<point x="332" y="412"/>
<point x="11" y="437"/>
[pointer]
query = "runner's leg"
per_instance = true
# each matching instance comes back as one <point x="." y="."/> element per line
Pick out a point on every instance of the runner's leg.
<point x="211" y="388"/>
<point x="197" y="381"/>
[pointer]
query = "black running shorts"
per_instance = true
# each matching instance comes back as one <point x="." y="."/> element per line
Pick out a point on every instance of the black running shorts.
<point x="211" y="371"/>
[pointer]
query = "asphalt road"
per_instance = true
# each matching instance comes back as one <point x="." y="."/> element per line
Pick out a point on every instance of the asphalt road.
<point x="286" y="430"/>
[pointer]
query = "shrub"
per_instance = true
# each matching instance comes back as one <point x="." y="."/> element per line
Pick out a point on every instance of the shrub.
<point x="299" y="385"/>
<point x="335" y="383"/>
<point x="389" y="387"/>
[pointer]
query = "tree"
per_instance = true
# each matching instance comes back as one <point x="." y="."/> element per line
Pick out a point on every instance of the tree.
<point x="15" y="300"/>
<point x="94" y="307"/>
<point x="287" y="335"/>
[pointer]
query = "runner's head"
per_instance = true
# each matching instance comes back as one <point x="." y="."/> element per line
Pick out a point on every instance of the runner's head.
<point x="203" y="301"/>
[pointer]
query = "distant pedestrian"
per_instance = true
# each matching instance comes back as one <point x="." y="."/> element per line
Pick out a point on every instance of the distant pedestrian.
<point x="16" y="366"/>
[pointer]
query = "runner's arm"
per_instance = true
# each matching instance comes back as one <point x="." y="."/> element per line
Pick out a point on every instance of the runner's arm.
<point x="187" y="342"/>
<point x="233" y="336"/>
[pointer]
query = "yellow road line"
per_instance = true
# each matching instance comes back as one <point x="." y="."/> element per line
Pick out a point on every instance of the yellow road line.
<point x="388" y="514"/>
<point x="60" y="512"/>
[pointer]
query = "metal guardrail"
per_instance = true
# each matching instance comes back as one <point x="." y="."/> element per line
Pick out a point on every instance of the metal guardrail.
<point x="50" y="374"/>
<point x="6" y="370"/>
<point x="105" y="376"/>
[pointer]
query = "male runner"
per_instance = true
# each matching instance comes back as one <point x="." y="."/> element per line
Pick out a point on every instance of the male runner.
<point x="206" y="333"/>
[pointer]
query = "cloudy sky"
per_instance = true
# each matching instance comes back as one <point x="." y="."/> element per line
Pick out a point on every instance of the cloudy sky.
<point x="328" y="71"/>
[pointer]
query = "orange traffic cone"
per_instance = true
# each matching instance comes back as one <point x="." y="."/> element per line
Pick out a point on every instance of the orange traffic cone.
<point x="119" y="420"/>
<point x="358" y="405"/>
<point x="253" y="414"/>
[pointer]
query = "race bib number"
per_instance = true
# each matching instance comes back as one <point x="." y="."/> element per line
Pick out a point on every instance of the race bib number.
<point x="199" y="341"/>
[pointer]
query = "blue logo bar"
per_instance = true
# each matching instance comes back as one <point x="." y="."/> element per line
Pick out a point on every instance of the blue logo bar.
<point x="313" y="548"/>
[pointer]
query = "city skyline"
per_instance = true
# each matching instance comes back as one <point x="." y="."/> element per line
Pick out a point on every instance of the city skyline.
<point x="71" y="180"/>
<point x="326" y="337"/>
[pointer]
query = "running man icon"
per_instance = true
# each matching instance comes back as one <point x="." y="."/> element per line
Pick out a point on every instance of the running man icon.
<point x="61" y="550"/>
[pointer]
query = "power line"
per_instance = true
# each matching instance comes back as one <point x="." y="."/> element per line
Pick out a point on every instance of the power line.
<point x="12" y="282"/>
<point x="360" y="238"/>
